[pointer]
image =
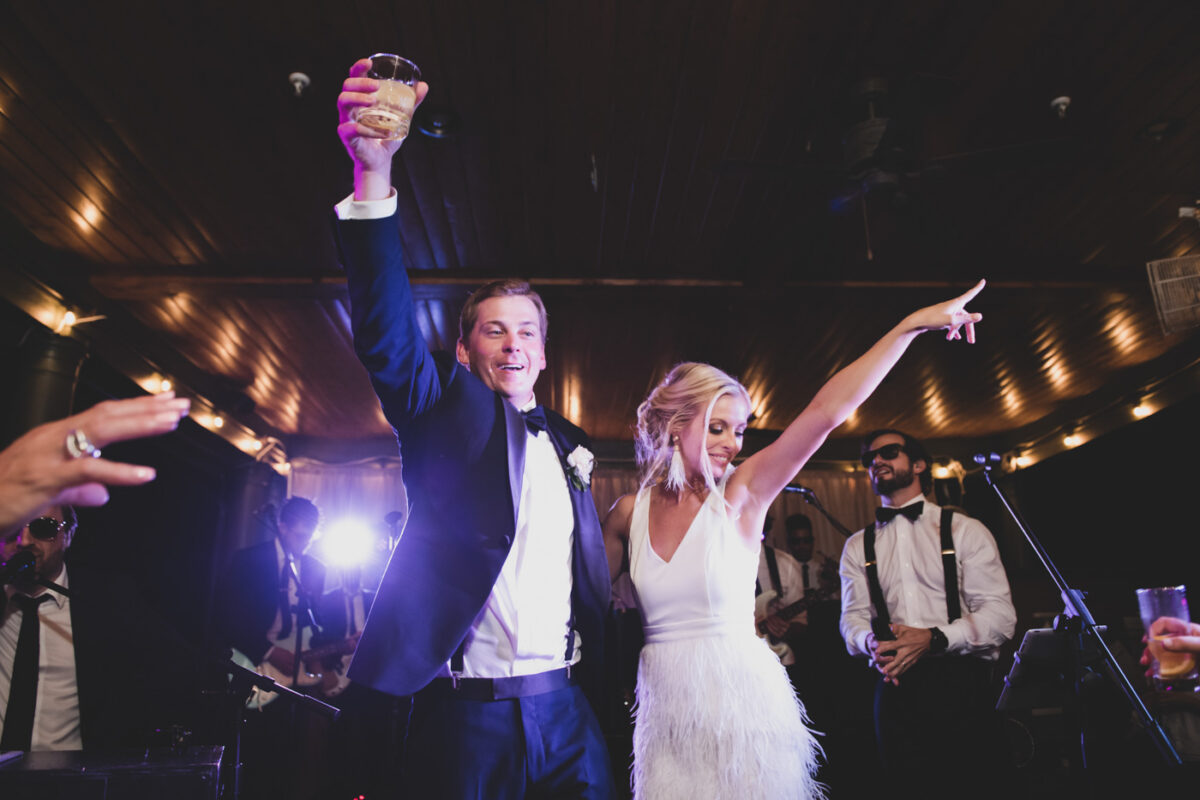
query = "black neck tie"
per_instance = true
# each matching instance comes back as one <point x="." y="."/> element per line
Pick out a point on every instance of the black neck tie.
<point x="886" y="514"/>
<point x="285" y="606"/>
<point x="535" y="419"/>
<point x="22" y="691"/>
<point x="804" y="575"/>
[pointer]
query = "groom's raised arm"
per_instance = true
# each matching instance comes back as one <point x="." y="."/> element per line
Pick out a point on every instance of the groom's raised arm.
<point x="387" y="339"/>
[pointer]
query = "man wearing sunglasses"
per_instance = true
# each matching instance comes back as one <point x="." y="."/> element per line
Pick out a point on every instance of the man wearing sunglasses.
<point x="41" y="664"/>
<point x="76" y="671"/>
<point x="934" y="649"/>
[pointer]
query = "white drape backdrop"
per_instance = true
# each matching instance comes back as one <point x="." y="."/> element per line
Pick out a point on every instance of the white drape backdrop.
<point x="368" y="489"/>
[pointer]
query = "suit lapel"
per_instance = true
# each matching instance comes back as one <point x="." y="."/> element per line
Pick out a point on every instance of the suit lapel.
<point x="515" y="425"/>
<point x="590" y="562"/>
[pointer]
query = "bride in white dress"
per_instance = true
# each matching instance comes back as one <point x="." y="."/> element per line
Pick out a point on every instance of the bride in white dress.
<point x="715" y="715"/>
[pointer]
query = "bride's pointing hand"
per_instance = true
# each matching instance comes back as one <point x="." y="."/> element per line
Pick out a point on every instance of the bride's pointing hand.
<point x="950" y="315"/>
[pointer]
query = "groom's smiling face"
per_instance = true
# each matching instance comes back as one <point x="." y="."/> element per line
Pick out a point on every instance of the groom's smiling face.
<point x="505" y="349"/>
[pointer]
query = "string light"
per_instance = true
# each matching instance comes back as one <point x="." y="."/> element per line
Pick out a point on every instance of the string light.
<point x="165" y="385"/>
<point x="219" y="422"/>
<point x="1072" y="440"/>
<point x="1142" y="410"/>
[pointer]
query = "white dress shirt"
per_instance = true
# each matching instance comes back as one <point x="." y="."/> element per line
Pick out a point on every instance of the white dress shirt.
<point x="56" y="713"/>
<point x="792" y="589"/>
<point x="912" y="577"/>
<point x="522" y="629"/>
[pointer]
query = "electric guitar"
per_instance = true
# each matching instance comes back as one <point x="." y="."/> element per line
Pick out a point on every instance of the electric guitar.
<point x="312" y="671"/>
<point x="762" y="610"/>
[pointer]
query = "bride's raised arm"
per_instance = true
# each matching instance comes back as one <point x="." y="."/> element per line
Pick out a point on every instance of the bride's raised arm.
<point x="757" y="482"/>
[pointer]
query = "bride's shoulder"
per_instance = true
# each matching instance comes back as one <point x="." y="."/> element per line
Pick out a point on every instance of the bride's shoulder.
<point x="617" y="521"/>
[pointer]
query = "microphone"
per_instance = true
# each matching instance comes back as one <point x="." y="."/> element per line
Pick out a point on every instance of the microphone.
<point x="804" y="491"/>
<point x="988" y="459"/>
<point x="19" y="567"/>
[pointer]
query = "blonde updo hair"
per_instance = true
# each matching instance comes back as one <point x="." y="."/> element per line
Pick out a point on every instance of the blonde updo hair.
<point x="690" y="389"/>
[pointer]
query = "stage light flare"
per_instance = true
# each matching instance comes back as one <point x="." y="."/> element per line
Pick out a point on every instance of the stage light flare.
<point x="346" y="542"/>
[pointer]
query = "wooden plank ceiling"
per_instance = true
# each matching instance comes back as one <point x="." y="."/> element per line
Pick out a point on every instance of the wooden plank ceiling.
<point x="676" y="175"/>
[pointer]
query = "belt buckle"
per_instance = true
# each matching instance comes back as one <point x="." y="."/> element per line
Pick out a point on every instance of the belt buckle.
<point x="568" y="671"/>
<point x="455" y="677"/>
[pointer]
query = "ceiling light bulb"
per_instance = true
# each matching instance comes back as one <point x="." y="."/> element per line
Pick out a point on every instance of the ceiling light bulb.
<point x="218" y="422"/>
<point x="164" y="385"/>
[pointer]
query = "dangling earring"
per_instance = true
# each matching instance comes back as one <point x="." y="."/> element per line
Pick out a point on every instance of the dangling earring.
<point x="676" y="475"/>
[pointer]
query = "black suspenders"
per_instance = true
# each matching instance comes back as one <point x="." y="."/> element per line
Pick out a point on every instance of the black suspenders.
<point x="949" y="570"/>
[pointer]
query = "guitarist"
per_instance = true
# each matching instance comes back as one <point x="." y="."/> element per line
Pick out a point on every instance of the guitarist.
<point x="778" y="586"/>
<point x="257" y="615"/>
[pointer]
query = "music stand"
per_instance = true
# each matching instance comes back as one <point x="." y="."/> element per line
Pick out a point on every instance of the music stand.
<point x="1078" y="642"/>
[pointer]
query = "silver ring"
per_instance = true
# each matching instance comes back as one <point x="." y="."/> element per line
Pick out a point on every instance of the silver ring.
<point x="79" y="446"/>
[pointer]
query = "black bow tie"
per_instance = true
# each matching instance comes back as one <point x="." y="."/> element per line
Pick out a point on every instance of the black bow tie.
<point x="535" y="419"/>
<point x="886" y="514"/>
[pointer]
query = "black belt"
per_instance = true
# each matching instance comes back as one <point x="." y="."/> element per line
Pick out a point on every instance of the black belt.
<point x="502" y="688"/>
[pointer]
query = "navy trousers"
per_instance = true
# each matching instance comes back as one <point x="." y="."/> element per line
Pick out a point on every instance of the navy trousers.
<point x="543" y="746"/>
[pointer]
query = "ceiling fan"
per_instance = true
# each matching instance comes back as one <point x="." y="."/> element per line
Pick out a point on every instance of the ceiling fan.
<point x="879" y="155"/>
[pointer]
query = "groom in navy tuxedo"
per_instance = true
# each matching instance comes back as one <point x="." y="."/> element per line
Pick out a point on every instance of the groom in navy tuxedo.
<point x="490" y="612"/>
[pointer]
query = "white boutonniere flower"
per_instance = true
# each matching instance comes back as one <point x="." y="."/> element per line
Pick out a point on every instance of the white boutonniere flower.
<point x="580" y="464"/>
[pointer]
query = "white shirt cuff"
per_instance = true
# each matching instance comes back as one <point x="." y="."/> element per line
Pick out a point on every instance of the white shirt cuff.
<point x="366" y="209"/>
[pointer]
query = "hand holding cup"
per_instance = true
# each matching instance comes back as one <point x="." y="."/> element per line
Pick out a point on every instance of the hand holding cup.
<point x="375" y="108"/>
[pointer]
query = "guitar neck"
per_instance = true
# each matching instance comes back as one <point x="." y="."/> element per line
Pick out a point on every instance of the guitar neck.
<point x="794" y="609"/>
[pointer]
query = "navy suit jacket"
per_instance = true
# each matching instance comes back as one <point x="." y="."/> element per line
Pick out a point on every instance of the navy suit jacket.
<point x="463" y="447"/>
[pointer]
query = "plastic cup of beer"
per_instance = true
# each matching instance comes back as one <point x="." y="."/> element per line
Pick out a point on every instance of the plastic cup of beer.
<point x="389" y="118"/>
<point x="1171" y="670"/>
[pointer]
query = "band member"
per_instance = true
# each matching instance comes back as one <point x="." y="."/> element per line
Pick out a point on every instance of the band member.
<point x="76" y="667"/>
<point x="263" y="608"/>
<point x="934" y="650"/>
<point x="260" y="598"/>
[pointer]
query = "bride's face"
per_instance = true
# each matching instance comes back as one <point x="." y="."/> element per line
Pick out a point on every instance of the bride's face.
<point x="719" y="442"/>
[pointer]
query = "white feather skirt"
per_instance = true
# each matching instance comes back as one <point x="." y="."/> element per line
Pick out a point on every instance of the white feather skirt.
<point x="717" y="719"/>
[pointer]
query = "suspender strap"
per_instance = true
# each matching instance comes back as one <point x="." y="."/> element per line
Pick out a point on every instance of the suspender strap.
<point x="950" y="567"/>
<point x="873" y="588"/>
<point x="570" y="639"/>
<point x="773" y="571"/>
<point x="458" y="660"/>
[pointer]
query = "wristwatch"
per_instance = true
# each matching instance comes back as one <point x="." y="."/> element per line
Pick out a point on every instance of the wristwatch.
<point x="937" y="642"/>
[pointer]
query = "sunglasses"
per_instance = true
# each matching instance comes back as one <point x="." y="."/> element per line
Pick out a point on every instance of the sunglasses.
<point x="888" y="452"/>
<point x="46" y="528"/>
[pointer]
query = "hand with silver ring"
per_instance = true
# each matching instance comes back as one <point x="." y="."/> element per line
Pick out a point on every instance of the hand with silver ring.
<point x="35" y="473"/>
<point x="78" y="445"/>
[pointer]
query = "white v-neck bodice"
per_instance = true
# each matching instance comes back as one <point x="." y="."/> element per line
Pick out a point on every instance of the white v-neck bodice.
<point x="705" y="587"/>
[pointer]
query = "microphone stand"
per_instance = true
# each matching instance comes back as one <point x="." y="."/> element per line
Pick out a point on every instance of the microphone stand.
<point x="810" y="497"/>
<point x="20" y="569"/>
<point x="1081" y="629"/>
<point x="242" y="682"/>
